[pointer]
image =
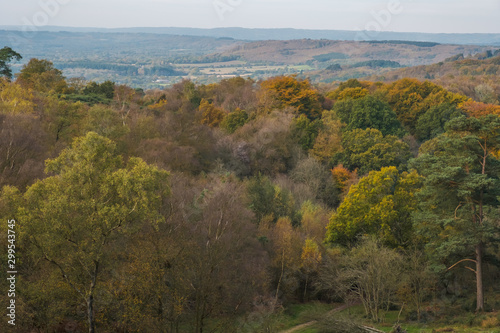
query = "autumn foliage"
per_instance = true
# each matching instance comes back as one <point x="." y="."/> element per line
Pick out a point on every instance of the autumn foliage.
<point x="478" y="109"/>
<point x="210" y="208"/>
<point x="288" y="91"/>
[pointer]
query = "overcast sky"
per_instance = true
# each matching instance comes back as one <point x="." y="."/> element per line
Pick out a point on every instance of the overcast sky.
<point x="464" y="16"/>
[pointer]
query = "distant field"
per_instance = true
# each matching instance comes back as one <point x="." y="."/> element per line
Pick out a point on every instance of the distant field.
<point x="234" y="63"/>
<point x="237" y="68"/>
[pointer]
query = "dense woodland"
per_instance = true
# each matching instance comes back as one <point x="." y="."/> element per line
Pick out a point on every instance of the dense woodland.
<point x="210" y="208"/>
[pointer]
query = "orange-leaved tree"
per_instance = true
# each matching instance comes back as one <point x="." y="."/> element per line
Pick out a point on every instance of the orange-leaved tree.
<point x="289" y="91"/>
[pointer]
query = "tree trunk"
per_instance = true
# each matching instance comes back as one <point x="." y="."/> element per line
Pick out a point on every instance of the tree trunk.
<point x="90" y="313"/>
<point x="305" y="288"/>
<point x="90" y="300"/>
<point x="281" y="275"/>
<point x="479" y="278"/>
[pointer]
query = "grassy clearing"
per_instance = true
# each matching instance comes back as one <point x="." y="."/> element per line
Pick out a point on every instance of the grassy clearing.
<point x="346" y="321"/>
<point x="486" y="322"/>
<point x="298" y="314"/>
<point x="292" y="316"/>
<point x="239" y="68"/>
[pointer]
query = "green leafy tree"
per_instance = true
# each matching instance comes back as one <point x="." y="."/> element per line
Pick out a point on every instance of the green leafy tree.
<point x="368" y="112"/>
<point x="6" y="56"/>
<point x="380" y="204"/>
<point x="305" y="131"/>
<point x="368" y="150"/>
<point x="105" y="89"/>
<point x="41" y="75"/>
<point x="62" y="119"/>
<point x="261" y="194"/>
<point x="105" y="121"/>
<point x="72" y="219"/>
<point x="188" y="91"/>
<point x="234" y="120"/>
<point x="432" y="122"/>
<point x="270" y="201"/>
<point x="460" y="198"/>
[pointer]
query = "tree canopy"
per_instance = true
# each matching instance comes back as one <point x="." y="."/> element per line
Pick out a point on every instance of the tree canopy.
<point x="460" y="198"/>
<point x="201" y="208"/>
<point x="92" y="200"/>
<point x="283" y="91"/>
<point x="41" y="75"/>
<point x="368" y="112"/>
<point x="368" y="150"/>
<point x="381" y="204"/>
<point x="7" y="55"/>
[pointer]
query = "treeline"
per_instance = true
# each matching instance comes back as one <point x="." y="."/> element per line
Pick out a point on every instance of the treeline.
<point x="377" y="63"/>
<point x="205" y="59"/>
<point x="211" y="207"/>
<point x="368" y="63"/>
<point x="404" y="42"/>
<point x="330" y="56"/>
<point x="122" y="69"/>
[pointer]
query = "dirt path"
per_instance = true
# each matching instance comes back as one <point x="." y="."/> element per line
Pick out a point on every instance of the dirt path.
<point x="310" y="323"/>
<point x="301" y="326"/>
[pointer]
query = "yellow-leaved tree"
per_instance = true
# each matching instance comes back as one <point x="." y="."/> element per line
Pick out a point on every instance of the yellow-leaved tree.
<point x="380" y="204"/>
<point x="92" y="200"/>
<point x="288" y="91"/>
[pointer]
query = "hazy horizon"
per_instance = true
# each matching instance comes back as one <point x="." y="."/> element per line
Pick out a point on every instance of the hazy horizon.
<point x="392" y="15"/>
<point x="55" y="27"/>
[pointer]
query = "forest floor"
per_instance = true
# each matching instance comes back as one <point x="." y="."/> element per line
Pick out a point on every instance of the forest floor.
<point x="312" y="322"/>
<point x="477" y="323"/>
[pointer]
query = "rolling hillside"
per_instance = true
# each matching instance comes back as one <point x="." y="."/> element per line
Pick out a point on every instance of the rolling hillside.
<point x="152" y="60"/>
<point x="348" y="52"/>
<point x="474" y="77"/>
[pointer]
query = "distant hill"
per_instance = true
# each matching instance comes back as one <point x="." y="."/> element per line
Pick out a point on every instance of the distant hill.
<point x="476" y="77"/>
<point x="132" y="58"/>
<point x="458" y="65"/>
<point x="300" y="51"/>
<point x="151" y="60"/>
<point x="287" y="34"/>
<point x="66" y="45"/>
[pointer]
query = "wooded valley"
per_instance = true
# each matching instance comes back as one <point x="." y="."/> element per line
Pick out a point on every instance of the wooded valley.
<point x="220" y="207"/>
